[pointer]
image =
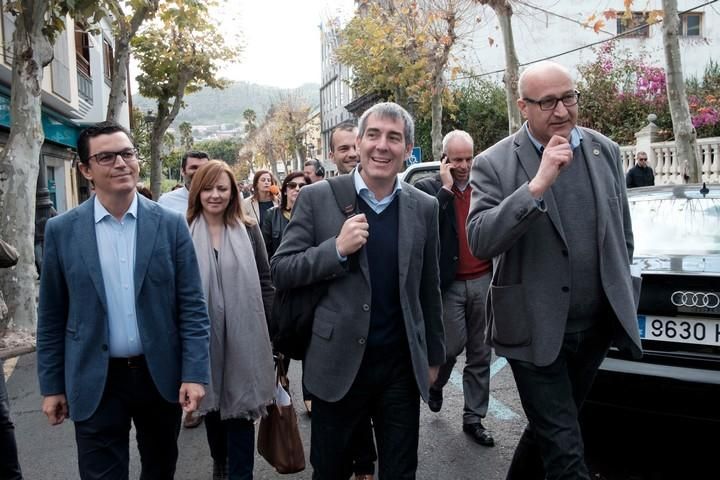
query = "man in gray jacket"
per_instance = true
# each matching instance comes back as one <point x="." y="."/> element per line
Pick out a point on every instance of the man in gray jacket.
<point x="377" y="336"/>
<point x="549" y="206"/>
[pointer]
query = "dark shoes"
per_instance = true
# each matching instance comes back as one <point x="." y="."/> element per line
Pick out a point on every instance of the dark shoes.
<point x="435" y="400"/>
<point x="192" y="420"/>
<point x="479" y="434"/>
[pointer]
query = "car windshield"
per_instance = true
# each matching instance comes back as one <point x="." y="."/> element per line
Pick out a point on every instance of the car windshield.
<point x="676" y="225"/>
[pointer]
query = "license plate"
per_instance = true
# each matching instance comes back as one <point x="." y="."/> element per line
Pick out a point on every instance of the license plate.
<point x="700" y="331"/>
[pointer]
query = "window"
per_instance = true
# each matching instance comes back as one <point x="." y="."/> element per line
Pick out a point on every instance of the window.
<point x="108" y="60"/>
<point x="630" y="24"/>
<point x="82" y="50"/>
<point x="691" y="24"/>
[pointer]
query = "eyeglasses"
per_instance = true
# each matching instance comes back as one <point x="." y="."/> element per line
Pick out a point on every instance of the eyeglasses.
<point x="294" y="185"/>
<point x="550" y="103"/>
<point x="642" y="159"/>
<point x="107" y="159"/>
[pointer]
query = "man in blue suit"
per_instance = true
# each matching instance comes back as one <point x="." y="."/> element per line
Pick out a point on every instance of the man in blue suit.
<point x="122" y="323"/>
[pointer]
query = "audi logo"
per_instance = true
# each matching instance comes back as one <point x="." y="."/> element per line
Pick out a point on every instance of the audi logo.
<point x="695" y="299"/>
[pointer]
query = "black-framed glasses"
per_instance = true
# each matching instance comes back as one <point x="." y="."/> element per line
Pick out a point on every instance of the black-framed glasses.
<point x="294" y="185"/>
<point x="108" y="158"/>
<point x="550" y="103"/>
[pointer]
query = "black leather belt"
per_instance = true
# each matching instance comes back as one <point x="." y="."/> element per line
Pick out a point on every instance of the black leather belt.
<point x="137" y="361"/>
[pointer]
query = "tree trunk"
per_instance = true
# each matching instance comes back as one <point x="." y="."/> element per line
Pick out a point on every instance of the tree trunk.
<point x="436" y="117"/>
<point x="156" y="161"/>
<point x="685" y="135"/>
<point x="124" y="33"/>
<point x="503" y="10"/>
<point x="19" y="163"/>
<point x="118" y="85"/>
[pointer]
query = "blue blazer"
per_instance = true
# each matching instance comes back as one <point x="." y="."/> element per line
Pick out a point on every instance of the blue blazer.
<point x="72" y="331"/>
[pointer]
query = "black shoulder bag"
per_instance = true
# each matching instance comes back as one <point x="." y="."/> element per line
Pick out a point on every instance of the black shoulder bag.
<point x="294" y="308"/>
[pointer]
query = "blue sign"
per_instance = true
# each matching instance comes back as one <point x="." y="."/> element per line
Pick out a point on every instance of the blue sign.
<point x="415" y="156"/>
<point x="56" y="129"/>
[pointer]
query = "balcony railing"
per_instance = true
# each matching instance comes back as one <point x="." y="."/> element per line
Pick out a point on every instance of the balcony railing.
<point x="85" y="86"/>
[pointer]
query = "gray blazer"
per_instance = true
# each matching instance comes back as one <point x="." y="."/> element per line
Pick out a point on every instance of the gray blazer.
<point x="527" y="306"/>
<point x="72" y="330"/>
<point x="307" y="255"/>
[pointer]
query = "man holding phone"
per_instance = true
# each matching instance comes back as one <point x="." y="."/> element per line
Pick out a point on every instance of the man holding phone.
<point x="464" y="281"/>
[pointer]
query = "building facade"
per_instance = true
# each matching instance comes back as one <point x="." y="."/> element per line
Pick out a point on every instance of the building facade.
<point x="75" y="91"/>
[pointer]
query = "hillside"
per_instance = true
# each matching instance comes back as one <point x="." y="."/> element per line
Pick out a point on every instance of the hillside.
<point x="213" y="107"/>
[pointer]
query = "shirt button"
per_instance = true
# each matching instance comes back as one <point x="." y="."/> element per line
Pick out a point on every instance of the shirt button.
<point x="565" y="289"/>
<point x="366" y="307"/>
<point x="361" y="340"/>
<point x="104" y="347"/>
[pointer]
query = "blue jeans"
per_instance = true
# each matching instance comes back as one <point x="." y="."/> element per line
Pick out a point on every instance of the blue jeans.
<point x="232" y="441"/>
<point x="552" y="446"/>
<point x="9" y="465"/>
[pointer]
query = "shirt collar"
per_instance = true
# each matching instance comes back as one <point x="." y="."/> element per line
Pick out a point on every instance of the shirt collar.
<point x="575" y="138"/>
<point x="101" y="212"/>
<point x="361" y="186"/>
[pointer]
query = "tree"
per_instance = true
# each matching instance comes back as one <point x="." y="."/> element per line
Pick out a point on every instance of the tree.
<point x="250" y="119"/>
<point x="126" y="26"/>
<point x="178" y="54"/>
<point x="186" y="137"/>
<point x="503" y="10"/>
<point x="403" y="48"/>
<point x="37" y="24"/>
<point x="226" y="149"/>
<point x="685" y="135"/>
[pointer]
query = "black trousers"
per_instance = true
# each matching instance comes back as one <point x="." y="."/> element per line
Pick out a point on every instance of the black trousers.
<point x="9" y="465"/>
<point x="551" y="447"/>
<point x="385" y="391"/>
<point x="103" y="439"/>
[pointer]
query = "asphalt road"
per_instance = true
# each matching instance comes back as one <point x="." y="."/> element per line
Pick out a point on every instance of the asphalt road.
<point x="444" y="453"/>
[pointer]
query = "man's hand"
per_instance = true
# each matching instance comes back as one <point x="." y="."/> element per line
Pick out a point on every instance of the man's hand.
<point x="353" y="235"/>
<point x="556" y="155"/>
<point x="446" y="173"/>
<point x="55" y="408"/>
<point x="190" y="396"/>
<point x="433" y="374"/>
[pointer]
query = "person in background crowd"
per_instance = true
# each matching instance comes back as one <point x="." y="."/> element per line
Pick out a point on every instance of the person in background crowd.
<point x="122" y="334"/>
<point x="548" y="203"/>
<point x="9" y="464"/>
<point x="378" y="336"/>
<point x="263" y="197"/>
<point x="641" y="174"/>
<point x="177" y="198"/>
<point x="277" y="218"/>
<point x="236" y="281"/>
<point x="464" y="281"/>
<point x="314" y="170"/>
<point x="342" y="147"/>
<point x="144" y="191"/>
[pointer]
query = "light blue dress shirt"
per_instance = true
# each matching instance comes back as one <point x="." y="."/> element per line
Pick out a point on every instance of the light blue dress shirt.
<point x="116" y="249"/>
<point x="575" y="138"/>
<point x="364" y="192"/>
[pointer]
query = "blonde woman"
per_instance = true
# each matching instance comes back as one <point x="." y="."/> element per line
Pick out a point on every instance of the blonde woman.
<point x="236" y="281"/>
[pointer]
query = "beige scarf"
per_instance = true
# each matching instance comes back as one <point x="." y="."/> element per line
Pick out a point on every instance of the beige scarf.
<point x="241" y="363"/>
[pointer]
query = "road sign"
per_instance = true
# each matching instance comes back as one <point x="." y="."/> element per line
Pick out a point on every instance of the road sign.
<point x="415" y="156"/>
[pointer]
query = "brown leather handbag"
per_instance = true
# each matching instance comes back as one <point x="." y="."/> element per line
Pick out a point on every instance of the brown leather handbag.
<point x="279" y="439"/>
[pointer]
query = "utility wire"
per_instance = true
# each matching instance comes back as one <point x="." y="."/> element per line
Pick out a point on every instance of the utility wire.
<point x="589" y="45"/>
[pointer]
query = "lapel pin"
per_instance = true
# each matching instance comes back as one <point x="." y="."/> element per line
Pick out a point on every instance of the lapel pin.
<point x="596" y="151"/>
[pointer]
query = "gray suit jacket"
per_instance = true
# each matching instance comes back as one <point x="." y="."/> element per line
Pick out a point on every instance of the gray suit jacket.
<point x="307" y="255"/>
<point x="72" y="331"/>
<point x="528" y="304"/>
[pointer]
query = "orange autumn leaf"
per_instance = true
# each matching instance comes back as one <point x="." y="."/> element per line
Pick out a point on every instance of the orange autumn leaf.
<point x="598" y="26"/>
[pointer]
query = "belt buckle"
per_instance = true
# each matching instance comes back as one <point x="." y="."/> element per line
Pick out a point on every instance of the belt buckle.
<point x="134" y="362"/>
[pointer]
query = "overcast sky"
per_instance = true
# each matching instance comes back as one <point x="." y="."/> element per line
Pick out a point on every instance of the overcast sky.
<point x="281" y="37"/>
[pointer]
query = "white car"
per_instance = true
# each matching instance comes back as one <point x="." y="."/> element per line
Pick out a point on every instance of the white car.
<point x="418" y="171"/>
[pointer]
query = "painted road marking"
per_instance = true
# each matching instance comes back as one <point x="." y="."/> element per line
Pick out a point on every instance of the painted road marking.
<point x="495" y="408"/>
